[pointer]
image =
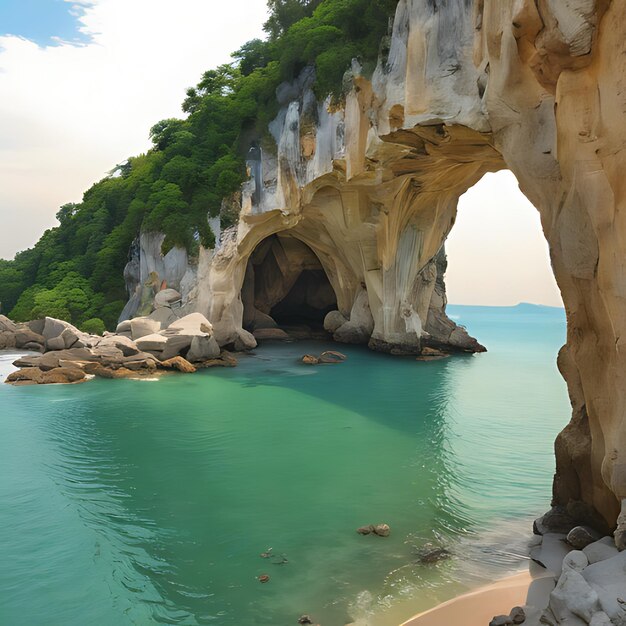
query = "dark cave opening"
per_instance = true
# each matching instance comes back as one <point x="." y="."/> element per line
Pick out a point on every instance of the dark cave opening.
<point x="286" y="287"/>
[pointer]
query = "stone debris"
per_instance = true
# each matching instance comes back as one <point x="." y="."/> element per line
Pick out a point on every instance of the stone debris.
<point x="67" y="355"/>
<point x="381" y="530"/>
<point x="430" y="553"/>
<point x="581" y="536"/>
<point x="587" y="587"/>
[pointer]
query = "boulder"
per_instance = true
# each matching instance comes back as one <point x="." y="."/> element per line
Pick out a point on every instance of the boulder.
<point x="601" y="550"/>
<point x="6" y="325"/>
<point x="518" y="615"/>
<point x="108" y="354"/>
<point x="28" y="374"/>
<point x="164" y="315"/>
<point x="551" y="553"/>
<point x="126" y="345"/>
<point x="244" y="341"/>
<point x="225" y="360"/>
<point x="37" y="326"/>
<point x="54" y="328"/>
<point x="193" y="324"/>
<point x="70" y="338"/>
<point x="351" y="333"/>
<point x="51" y="360"/>
<point x="147" y="363"/>
<point x="361" y="315"/>
<point x="581" y="536"/>
<point x="556" y="520"/>
<point x="24" y="335"/>
<point x="63" y="376"/>
<point x="501" y="620"/>
<point x="7" y="340"/>
<point x="333" y="321"/>
<point x="124" y="327"/>
<point x="573" y="596"/>
<point x="382" y="530"/>
<point x="58" y="376"/>
<point x="365" y="530"/>
<point x="309" y="359"/>
<point x="142" y="327"/>
<point x="203" y="349"/>
<point x="263" y="320"/>
<point x="33" y="347"/>
<point x="576" y="560"/>
<point x="276" y="334"/>
<point x="55" y="343"/>
<point x="166" y="297"/>
<point x="608" y="579"/>
<point x="176" y="343"/>
<point x="154" y="342"/>
<point x="104" y="372"/>
<point x="178" y="363"/>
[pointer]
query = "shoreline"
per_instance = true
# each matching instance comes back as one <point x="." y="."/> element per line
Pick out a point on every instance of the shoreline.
<point x="478" y="607"/>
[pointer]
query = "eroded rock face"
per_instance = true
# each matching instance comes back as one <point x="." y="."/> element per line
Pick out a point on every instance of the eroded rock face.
<point x="468" y="87"/>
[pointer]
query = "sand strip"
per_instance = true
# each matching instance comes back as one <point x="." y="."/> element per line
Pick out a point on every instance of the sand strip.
<point x="478" y="607"/>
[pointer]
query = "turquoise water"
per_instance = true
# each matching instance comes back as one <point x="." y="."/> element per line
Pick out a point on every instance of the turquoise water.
<point x="128" y="502"/>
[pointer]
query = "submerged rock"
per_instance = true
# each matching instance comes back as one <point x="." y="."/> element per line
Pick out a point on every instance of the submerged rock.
<point x="430" y="553"/>
<point x="264" y="578"/>
<point x="309" y="359"/>
<point x="330" y="356"/>
<point x="381" y="530"/>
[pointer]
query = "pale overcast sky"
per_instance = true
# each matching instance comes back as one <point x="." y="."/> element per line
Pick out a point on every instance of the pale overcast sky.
<point x="81" y="83"/>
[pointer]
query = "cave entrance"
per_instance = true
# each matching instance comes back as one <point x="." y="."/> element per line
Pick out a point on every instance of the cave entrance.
<point x="286" y="287"/>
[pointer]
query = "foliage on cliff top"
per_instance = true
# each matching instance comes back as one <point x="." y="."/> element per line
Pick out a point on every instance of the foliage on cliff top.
<point x="75" y="271"/>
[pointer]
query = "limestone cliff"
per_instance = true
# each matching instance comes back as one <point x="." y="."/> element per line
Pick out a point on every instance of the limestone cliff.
<point x="468" y="87"/>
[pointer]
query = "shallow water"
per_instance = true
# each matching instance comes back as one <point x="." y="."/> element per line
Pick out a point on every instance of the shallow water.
<point x="127" y="502"/>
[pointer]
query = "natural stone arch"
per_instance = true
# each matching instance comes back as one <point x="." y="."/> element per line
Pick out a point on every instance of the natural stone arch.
<point x="531" y="86"/>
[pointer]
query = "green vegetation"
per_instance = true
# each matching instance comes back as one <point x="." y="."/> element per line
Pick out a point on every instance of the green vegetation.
<point x="75" y="271"/>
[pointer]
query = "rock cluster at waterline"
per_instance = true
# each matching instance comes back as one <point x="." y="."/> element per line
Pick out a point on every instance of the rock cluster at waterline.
<point x="141" y="348"/>
<point x="583" y="584"/>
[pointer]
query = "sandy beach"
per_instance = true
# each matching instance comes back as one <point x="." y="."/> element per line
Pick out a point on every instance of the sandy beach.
<point x="478" y="607"/>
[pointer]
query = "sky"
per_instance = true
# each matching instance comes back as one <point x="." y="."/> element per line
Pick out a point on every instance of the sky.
<point x="497" y="254"/>
<point x="82" y="82"/>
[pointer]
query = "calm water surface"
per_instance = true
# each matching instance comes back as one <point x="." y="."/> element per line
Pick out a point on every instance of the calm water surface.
<point x="127" y="502"/>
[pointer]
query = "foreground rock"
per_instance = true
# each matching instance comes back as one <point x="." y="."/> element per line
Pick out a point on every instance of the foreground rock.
<point x="36" y="376"/>
<point x="582" y="588"/>
<point x="330" y="357"/>
<point x="382" y="530"/>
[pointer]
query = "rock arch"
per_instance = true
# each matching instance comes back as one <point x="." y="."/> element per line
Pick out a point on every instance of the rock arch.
<point x="470" y="86"/>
